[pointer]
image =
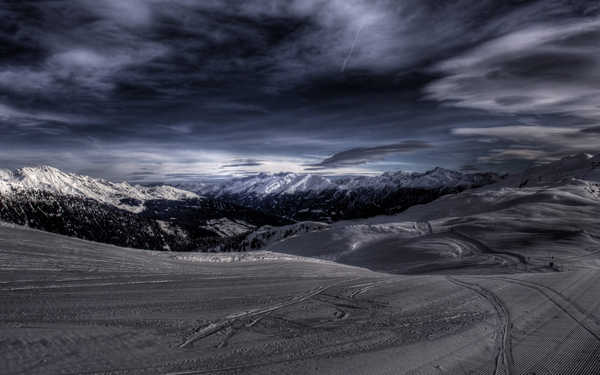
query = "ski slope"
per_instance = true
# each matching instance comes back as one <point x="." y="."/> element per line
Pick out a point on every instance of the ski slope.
<point x="71" y="306"/>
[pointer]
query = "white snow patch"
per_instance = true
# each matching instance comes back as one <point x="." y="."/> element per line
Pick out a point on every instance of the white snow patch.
<point x="241" y="257"/>
<point x="225" y="227"/>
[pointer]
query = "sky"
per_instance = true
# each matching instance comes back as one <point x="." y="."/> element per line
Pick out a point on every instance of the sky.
<point x="169" y="90"/>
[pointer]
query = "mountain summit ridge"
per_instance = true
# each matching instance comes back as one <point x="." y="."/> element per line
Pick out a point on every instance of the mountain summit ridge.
<point x="52" y="180"/>
<point x="264" y="184"/>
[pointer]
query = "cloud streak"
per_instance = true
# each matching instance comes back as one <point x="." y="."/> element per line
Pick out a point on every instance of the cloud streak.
<point x="541" y="143"/>
<point x="237" y="163"/>
<point x="363" y="155"/>
<point x="541" y="69"/>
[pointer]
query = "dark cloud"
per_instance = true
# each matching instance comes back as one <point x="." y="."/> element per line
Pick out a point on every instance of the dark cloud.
<point x="531" y="142"/>
<point x="593" y="130"/>
<point x="362" y="155"/>
<point x="111" y="86"/>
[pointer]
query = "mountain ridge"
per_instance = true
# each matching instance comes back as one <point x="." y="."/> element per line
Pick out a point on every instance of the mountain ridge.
<point x="121" y="195"/>
<point x="263" y="184"/>
<point x="302" y="197"/>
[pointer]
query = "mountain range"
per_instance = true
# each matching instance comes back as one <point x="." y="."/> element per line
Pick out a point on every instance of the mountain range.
<point x="264" y="184"/>
<point x="163" y="217"/>
<point x="315" y="197"/>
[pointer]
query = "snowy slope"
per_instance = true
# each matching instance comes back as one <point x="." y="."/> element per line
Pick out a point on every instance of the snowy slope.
<point x="121" y="195"/>
<point x="435" y="178"/>
<point x="579" y="166"/>
<point x="502" y="230"/>
<point x="548" y="224"/>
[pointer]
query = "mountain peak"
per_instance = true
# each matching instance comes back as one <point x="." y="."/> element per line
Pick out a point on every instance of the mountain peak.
<point x="122" y="195"/>
<point x="41" y="168"/>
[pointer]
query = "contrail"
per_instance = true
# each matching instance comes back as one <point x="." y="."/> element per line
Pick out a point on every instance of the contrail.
<point x="351" y="48"/>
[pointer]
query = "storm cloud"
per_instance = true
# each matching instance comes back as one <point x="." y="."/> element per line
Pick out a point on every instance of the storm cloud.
<point x="215" y="88"/>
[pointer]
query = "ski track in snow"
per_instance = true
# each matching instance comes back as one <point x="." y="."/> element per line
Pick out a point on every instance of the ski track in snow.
<point x="504" y="361"/>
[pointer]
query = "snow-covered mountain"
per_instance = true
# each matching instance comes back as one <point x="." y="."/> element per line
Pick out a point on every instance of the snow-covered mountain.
<point x="315" y="197"/>
<point x="121" y="195"/>
<point x="264" y="184"/>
